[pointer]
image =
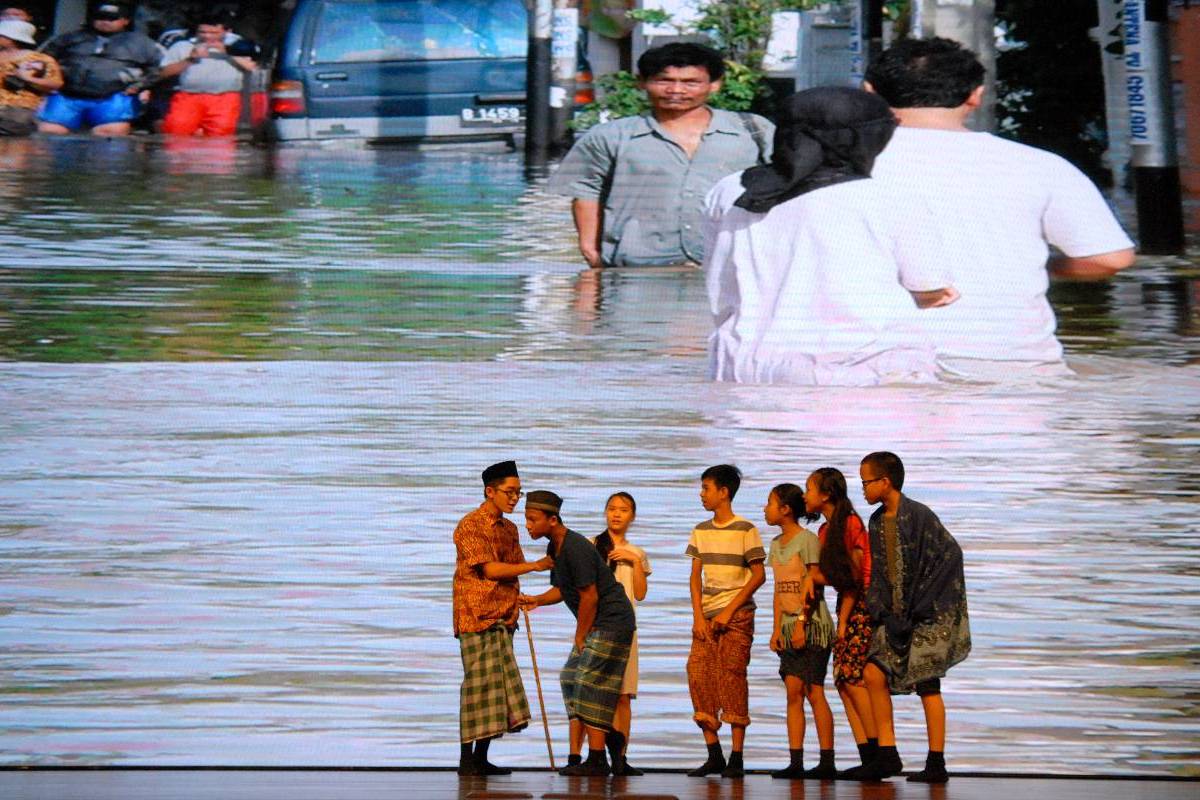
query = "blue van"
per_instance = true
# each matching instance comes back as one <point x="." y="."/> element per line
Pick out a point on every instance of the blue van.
<point x="401" y="69"/>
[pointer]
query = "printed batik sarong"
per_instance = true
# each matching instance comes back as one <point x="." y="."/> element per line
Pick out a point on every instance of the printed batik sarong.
<point x="492" y="700"/>
<point x="591" y="678"/>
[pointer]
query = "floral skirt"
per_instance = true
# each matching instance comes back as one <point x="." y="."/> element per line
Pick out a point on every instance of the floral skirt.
<point x="850" y="652"/>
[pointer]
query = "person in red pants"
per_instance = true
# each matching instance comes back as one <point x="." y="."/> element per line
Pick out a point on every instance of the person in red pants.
<point x="211" y="67"/>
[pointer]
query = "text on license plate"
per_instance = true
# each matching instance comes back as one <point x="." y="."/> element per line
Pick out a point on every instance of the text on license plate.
<point x="492" y="115"/>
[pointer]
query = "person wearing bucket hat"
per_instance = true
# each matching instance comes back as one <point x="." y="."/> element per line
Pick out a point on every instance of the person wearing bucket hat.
<point x="106" y="66"/>
<point x="591" y="679"/>
<point x="26" y="77"/>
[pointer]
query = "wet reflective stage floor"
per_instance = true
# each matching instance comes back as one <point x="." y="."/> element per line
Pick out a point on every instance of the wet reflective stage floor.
<point x="444" y="785"/>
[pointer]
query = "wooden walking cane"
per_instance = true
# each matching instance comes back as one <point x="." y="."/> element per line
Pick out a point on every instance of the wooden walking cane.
<point x="538" y="679"/>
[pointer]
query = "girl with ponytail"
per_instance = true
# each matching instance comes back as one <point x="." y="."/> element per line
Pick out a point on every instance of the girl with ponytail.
<point x="845" y="565"/>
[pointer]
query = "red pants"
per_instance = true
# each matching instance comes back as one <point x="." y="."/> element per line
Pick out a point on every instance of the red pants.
<point x="716" y="670"/>
<point x="213" y="114"/>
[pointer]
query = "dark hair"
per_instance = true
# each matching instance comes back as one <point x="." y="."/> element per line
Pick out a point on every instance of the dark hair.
<point x="889" y="464"/>
<point x="604" y="542"/>
<point x="925" y="73"/>
<point x="792" y="496"/>
<point x="213" y="16"/>
<point x="724" y="476"/>
<point x="836" y="565"/>
<point x="681" y="54"/>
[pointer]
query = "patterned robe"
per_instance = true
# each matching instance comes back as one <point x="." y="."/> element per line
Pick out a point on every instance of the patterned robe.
<point x="917" y="598"/>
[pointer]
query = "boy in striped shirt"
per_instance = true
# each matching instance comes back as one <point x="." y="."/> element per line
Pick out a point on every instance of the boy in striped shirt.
<point x="727" y="567"/>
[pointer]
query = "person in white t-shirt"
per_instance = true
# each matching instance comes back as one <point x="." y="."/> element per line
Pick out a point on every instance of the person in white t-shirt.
<point x="815" y="272"/>
<point x="998" y="207"/>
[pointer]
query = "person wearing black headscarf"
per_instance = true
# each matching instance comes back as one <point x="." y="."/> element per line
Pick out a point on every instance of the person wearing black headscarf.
<point x="815" y="272"/>
<point x="825" y="136"/>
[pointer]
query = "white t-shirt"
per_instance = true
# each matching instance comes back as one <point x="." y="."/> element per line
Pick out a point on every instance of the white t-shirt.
<point x="815" y="291"/>
<point x="998" y="205"/>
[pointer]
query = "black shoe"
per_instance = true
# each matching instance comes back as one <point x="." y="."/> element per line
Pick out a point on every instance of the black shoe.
<point x="491" y="769"/>
<point x="588" y="769"/>
<point x="469" y="767"/>
<point x="792" y="772"/>
<point x="882" y="766"/>
<point x="709" y="767"/>
<point x="626" y="770"/>
<point x="850" y="774"/>
<point x="931" y="774"/>
<point x="821" y="772"/>
<point x="733" y="771"/>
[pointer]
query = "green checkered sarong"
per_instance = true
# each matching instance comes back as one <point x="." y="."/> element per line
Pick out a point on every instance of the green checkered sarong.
<point x="492" y="700"/>
<point x="591" y="678"/>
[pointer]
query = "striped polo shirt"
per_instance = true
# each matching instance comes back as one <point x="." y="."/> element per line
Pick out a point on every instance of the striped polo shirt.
<point x="726" y="553"/>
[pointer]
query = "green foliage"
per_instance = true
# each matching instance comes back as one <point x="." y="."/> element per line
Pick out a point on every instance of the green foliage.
<point x="618" y="95"/>
<point x="739" y="28"/>
<point x="1049" y="90"/>
<point x="741" y="86"/>
<point x="651" y="16"/>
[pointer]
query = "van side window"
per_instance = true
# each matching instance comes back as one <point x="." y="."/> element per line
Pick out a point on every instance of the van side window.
<point x="422" y="30"/>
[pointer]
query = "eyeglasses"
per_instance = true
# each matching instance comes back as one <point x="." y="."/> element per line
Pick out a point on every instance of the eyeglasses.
<point x="867" y="483"/>
<point x="512" y="494"/>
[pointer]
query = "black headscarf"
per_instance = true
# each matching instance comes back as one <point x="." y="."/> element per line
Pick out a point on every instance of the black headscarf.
<point x="824" y="136"/>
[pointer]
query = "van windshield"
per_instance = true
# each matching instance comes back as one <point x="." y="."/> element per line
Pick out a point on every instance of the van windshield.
<point x="419" y="30"/>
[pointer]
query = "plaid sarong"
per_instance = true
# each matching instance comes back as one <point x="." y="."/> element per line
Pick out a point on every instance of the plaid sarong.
<point x="492" y="701"/>
<point x="591" y="678"/>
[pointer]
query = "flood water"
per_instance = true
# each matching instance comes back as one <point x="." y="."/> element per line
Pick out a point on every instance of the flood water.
<point x="247" y="394"/>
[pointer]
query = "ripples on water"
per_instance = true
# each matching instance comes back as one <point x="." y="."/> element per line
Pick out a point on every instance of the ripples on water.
<point x="248" y="563"/>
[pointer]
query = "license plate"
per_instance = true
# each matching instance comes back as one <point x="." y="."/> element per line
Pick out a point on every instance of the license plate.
<point x="491" y="116"/>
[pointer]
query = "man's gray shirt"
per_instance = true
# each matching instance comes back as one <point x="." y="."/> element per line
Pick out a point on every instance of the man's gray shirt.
<point x="651" y="193"/>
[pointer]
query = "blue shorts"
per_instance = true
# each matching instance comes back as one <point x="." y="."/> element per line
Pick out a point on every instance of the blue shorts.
<point x="74" y="113"/>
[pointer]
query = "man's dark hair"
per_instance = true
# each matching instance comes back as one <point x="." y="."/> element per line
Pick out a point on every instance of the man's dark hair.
<point x="888" y="465"/>
<point x="724" y="476"/>
<point x="925" y="73"/>
<point x="217" y="16"/>
<point x="681" y="54"/>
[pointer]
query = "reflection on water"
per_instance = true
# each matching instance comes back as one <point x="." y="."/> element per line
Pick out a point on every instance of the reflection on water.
<point x="248" y="563"/>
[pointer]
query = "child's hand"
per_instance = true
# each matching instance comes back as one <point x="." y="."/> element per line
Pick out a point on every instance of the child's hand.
<point x="622" y="554"/>
<point x="700" y="629"/>
<point x="777" y="641"/>
<point x="527" y="602"/>
<point x="721" y="621"/>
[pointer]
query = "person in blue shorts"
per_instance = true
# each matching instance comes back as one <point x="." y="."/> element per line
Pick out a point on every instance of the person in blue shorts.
<point x="105" y="67"/>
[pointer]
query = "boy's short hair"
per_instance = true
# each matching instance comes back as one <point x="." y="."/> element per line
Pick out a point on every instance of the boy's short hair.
<point x="889" y="465"/>
<point x="925" y="73"/>
<point x="681" y="54"/>
<point x="724" y="476"/>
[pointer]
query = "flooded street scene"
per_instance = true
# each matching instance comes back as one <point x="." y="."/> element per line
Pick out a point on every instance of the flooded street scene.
<point x="247" y="394"/>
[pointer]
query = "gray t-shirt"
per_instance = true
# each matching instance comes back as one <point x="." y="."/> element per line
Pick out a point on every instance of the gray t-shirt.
<point x="652" y="194"/>
<point x="215" y="74"/>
